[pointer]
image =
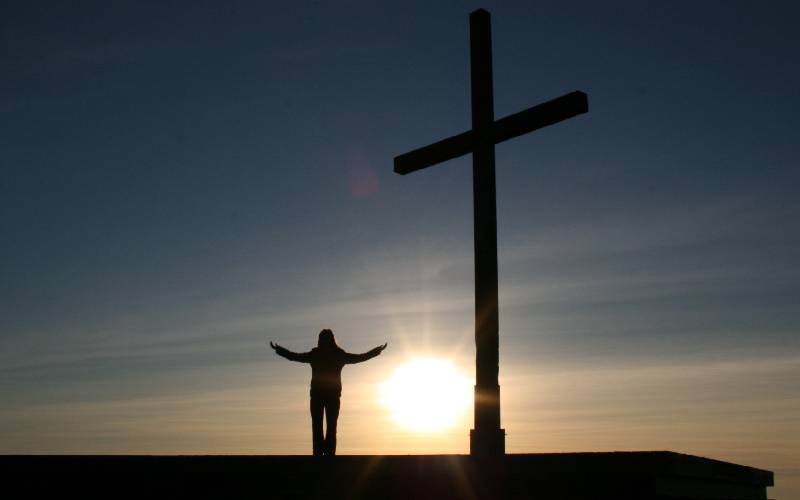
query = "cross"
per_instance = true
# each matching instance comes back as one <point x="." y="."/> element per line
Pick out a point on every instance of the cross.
<point x="487" y="438"/>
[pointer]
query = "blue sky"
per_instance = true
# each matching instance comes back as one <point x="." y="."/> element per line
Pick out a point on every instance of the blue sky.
<point x="181" y="183"/>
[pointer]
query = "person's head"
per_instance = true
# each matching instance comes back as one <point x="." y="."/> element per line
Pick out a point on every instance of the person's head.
<point x="326" y="339"/>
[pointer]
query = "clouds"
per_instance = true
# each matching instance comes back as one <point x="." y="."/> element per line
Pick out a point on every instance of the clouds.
<point x="645" y="278"/>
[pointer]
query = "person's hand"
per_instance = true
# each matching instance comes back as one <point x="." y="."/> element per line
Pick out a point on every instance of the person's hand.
<point x="380" y="348"/>
<point x="273" y="345"/>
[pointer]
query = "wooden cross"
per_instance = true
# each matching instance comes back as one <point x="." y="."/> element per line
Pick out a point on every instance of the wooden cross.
<point x="487" y="438"/>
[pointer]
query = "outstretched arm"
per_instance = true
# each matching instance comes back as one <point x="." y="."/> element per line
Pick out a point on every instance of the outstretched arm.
<point x="300" y="357"/>
<point x="358" y="358"/>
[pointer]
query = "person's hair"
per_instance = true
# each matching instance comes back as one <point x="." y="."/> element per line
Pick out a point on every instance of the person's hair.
<point x="326" y="339"/>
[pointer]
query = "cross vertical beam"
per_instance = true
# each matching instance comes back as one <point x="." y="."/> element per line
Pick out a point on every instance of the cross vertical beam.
<point x="487" y="438"/>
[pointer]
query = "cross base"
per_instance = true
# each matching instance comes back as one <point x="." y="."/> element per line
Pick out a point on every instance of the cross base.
<point x="487" y="442"/>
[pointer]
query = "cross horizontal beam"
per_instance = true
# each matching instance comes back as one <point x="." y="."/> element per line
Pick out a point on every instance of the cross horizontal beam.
<point x="533" y="118"/>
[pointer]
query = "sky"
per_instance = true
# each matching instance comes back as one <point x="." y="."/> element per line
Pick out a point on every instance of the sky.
<point x="182" y="182"/>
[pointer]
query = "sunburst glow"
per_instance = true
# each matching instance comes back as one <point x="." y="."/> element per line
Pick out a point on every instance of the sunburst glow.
<point x="427" y="395"/>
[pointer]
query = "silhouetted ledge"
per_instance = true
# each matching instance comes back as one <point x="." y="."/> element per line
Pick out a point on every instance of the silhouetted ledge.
<point x="617" y="475"/>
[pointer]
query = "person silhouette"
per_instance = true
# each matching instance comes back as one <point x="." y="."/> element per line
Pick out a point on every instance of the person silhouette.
<point x="327" y="361"/>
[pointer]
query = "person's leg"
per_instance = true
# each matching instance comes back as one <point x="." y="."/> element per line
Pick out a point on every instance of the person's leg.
<point x="316" y="425"/>
<point x="331" y="417"/>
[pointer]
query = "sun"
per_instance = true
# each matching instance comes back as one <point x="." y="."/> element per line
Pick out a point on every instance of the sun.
<point x="427" y="395"/>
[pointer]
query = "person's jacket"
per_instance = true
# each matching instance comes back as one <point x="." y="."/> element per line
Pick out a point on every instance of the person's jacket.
<point x="326" y="367"/>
